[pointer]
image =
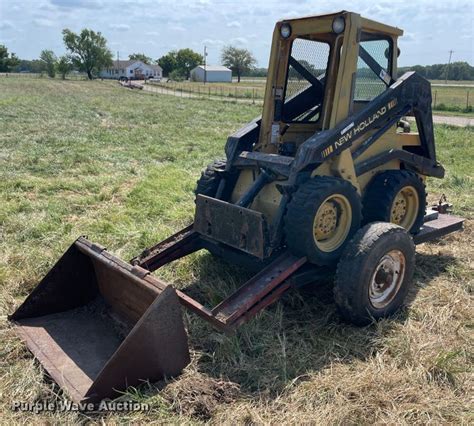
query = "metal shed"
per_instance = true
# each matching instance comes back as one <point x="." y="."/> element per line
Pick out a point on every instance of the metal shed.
<point x="212" y="74"/>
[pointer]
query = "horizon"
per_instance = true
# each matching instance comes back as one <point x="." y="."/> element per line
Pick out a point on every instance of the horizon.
<point x="156" y="27"/>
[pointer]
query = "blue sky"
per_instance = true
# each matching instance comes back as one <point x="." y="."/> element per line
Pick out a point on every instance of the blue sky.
<point x="432" y="28"/>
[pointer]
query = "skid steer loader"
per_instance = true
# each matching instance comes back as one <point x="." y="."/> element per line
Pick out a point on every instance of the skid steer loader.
<point x="330" y="177"/>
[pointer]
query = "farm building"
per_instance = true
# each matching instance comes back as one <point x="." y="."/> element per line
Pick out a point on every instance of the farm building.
<point x="132" y="69"/>
<point x="214" y="74"/>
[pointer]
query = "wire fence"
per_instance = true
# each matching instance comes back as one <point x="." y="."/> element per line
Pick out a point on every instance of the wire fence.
<point x="216" y="90"/>
<point x="450" y="97"/>
<point x="445" y="98"/>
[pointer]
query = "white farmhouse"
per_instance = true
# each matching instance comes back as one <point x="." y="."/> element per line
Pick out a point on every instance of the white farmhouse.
<point x="212" y="73"/>
<point x="132" y="69"/>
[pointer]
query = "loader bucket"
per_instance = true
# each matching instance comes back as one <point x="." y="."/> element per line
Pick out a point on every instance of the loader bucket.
<point x="99" y="325"/>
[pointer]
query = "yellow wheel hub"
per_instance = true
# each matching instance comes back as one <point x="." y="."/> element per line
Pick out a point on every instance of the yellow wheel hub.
<point x="405" y="207"/>
<point x="332" y="222"/>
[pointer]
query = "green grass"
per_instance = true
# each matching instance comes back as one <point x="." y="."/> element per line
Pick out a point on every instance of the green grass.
<point x="120" y="166"/>
<point x="458" y="99"/>
<point x="448" y="98"/>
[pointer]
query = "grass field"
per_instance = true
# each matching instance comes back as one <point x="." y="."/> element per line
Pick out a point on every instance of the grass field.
<point x="120" y="166"/>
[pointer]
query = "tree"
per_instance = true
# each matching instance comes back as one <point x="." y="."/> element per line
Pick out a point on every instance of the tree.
<point x="168" y="62"/>
<point x="89" y="51"/>
<point x="140" y="57"/>
<point x="186" y="60"/>
<point x="64" y="65"/>
<point x="7" y="61"/>
<point x="238" y="60"/>
<point x="49" y="60"/>
<point x="24" y="65"/>
<point x="181" y="62"/>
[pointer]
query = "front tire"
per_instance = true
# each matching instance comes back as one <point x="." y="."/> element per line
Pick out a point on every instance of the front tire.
<point x="321" y="217"/>
<point x="396" y="196"/>
<point x="210" y="178"/>
<point x="375" y="273"/>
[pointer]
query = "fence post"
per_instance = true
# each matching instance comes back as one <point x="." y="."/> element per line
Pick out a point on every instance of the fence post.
<point x="209" y="92"/>
<point x="253" y="96"/>
<point x="467" y="100"/>
<point x="434" y="106"/>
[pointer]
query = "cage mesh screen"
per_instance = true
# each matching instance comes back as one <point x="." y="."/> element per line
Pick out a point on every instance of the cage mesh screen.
<point x="314" y="56"/>
<point x="368" y="84"/>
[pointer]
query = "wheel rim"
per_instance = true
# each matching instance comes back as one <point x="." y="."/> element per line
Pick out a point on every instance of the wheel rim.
<point x="332" y="222"/>
<point x="405" y="207"/>
<point x="387" y="279"/>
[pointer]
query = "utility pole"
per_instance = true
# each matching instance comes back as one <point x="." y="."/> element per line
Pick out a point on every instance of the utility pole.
<point x="205" y="64"/>
<point x="447" y="68"/>
<point x="118" y="59"/>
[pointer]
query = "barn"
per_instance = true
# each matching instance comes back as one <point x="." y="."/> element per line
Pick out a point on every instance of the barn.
<point x="212" y="74"/>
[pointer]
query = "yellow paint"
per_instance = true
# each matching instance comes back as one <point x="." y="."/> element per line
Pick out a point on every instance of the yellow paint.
<point x="337" y="106"/>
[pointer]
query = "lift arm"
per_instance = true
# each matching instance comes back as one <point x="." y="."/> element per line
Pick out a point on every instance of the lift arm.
<point x="409" y="93"/>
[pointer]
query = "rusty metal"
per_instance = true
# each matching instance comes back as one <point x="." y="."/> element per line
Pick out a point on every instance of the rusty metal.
<point x="258" y="287"/>
<point x="184" y="242"/>
<point x="238" y="227"/>
<point x="99" y="325"/>
<point x="433" y="229"/>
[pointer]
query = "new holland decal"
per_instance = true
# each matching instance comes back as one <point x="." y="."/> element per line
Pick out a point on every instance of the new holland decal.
<point x="352" y="130"/>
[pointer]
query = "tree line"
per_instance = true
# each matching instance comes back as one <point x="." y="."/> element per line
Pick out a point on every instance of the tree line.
<point x="88" y="52"/>
<point x="456" y="71"/>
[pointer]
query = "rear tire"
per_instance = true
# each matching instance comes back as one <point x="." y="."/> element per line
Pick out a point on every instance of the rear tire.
<point x="375" y="273"/>
<point x="321" y="217"/>
<point x="210" y="178"/>
<point x="396" y="196"/>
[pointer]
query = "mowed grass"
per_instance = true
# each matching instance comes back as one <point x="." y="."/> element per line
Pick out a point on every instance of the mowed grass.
<point x="120" y="166"/>
<point x="446" y="98"/>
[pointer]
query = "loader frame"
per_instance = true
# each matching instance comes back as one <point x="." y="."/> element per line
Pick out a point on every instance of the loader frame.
<point x="67" y="319"/>
<point x="275" y="276"/>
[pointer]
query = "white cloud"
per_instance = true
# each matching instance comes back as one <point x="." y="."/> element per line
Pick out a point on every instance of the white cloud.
<point x="78" y="4"/>
<point x="234" y="24"/>
<point x="292" y="14"/>
<point x="215" y="23"/>
<point x="6" y="25"/>
<point x="212" y="42"/>
<point x="177" y="27"/>
<point x="119" y="27"/>
<point x="239" y="40"/>
<point x="43" y="22"/>
<point x="7" y="41"/>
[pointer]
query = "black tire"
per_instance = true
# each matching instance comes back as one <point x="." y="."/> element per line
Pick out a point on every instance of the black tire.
<point x="357" y="273"/>
<point x="208" y="183"/>
<point x="381" y="194"/>
<point x="301" y="213"/>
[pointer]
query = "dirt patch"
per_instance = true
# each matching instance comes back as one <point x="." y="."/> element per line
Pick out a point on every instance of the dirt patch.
<point x="200" y="396"/>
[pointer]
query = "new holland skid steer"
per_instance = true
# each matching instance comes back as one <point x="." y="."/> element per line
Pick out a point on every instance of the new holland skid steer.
<point x="330" y="177"/>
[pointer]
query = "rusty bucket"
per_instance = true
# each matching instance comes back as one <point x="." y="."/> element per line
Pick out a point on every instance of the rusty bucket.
<point x="98" y="324"/>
